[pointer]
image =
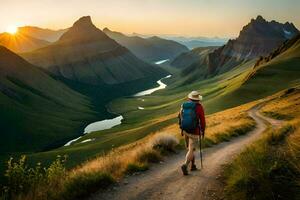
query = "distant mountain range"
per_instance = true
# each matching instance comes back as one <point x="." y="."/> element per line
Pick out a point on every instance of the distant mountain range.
<point x="87" y="55"/>
<point x="194" y="42"/>
<point x="258" y="38"/>
<point x="41" y="33"/>
<point x="21" y="42"/>
<point x="149" y="49"/>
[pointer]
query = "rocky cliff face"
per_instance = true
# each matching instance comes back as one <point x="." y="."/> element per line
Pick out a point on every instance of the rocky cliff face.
<point x="258" y="38"/>
<point x="85" y="54"/>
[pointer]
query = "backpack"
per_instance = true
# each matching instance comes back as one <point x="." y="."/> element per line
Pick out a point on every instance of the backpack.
<point x="188" y="120"/>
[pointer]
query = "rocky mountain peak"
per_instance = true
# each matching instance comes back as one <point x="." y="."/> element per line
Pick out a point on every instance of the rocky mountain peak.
<point x="259" y="18"/>
<point x="83" y="29"/>
<point x="84" y="22"/>
<point x="106" y="30"/>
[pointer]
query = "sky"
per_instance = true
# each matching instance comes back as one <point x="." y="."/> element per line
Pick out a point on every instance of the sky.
<point x="209" y="18"/>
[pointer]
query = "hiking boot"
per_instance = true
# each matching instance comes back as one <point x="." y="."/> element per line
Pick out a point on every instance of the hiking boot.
<point x="194" y="167"/>
<point x="184" y="170"/>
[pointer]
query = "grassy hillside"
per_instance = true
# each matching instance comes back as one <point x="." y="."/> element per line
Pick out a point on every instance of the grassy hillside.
<point x="279" y="73"/>
<point x="37" y="111"/>
<point x="270" y="168"/>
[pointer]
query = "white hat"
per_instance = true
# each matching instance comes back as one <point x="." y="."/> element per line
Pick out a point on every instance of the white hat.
<point x="194" y="95"/>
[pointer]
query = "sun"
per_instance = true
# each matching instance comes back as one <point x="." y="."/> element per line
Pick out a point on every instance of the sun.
<point x="12" y="29"/>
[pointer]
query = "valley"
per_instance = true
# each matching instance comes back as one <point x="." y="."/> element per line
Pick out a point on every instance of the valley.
<point x="92" y="95"/>
<point x="227" y="90"/>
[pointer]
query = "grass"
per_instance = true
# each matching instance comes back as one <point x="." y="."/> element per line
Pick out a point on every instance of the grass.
<point x="83" y="184"/>
<point x="136" y="167"/>
<point x="138" y="156"/>
<point x="56" y="182"/>
<point x="276" y="115"/>
<point x="270" y="168"/>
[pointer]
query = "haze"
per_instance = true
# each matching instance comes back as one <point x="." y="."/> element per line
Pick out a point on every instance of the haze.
<point x="176" y="17"/>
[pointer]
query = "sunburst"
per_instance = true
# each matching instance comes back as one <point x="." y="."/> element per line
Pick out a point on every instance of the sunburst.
<point x="12" y="29"/>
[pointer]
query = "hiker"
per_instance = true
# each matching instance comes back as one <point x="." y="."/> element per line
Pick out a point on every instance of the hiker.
<point x="192" y="124"/>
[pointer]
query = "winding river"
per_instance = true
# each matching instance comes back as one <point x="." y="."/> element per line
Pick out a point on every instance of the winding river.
<point x="150" y="91"/>
<point x="109" y="123"/>
<point x="161" y="62"/>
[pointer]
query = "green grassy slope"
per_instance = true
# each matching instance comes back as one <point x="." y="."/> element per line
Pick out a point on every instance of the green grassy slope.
<point x="37" y="112"/>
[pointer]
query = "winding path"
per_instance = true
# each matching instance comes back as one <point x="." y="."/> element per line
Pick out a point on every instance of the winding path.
<point x="167" y="182"/>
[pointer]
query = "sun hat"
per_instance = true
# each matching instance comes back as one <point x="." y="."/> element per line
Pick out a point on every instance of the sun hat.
<point x="194" y="95"/>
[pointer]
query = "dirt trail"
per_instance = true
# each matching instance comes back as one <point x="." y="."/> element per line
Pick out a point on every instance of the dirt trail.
<point x="167" y="182"/>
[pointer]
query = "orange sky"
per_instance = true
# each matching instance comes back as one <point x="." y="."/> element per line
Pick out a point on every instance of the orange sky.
<point x="223" y="18"/>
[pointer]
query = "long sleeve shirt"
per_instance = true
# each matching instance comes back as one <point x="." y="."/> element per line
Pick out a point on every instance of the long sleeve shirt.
<point x="201" y="116"/>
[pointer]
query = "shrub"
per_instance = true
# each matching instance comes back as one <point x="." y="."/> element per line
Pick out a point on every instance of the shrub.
<point x="165" y="143"/>
<point x="25" y="181"/>
<point x="149" y="156"/>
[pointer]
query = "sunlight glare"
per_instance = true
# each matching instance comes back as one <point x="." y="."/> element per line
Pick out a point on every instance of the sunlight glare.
<point x="12" y="29"/>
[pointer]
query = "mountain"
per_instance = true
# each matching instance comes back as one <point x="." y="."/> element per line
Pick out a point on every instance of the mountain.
<point x="148" y="49"/>
<point x="192" y="56"/>
<point x="258" y="38"/>
<point x="278" y="72"/>
<point x="280" y="50"/>
<point x="41" y="33"/>
<point x="37" y="111"/>
<point x="21" y="42"/>
<point x="85" y="54"/>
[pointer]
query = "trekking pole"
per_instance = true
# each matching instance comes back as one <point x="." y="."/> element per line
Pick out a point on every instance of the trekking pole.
<point x="200" y="145"/>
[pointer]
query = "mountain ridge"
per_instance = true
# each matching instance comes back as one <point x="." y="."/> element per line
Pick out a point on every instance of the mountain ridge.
<point x="258" y="38"/>
<point x="42" y="33"/>
<point x="21" y="42"/>
<point x="148" y="49"/>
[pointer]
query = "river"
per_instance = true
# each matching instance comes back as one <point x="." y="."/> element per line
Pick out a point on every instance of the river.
<point x="160" y="86"/>
<point x="109" y="123"/>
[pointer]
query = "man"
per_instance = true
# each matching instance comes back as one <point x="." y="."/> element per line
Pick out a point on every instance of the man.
<point x="192" y="124"/>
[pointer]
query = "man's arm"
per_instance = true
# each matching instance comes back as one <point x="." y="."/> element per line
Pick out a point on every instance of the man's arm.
<point x="201" y="116"/>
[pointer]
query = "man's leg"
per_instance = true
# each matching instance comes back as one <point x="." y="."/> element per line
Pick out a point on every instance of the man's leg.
<point x="190" y="154"/>
<point x="193" y="165"/>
